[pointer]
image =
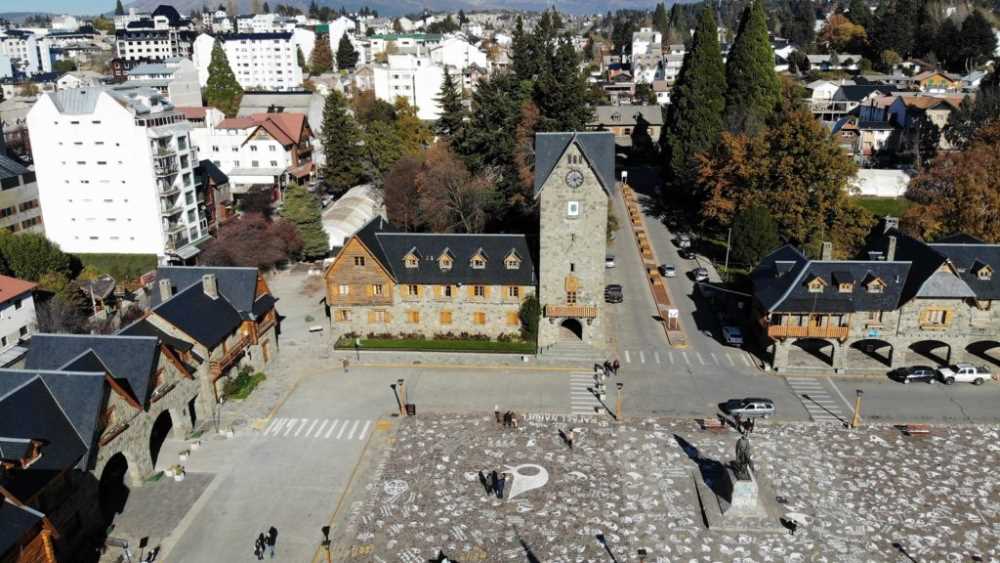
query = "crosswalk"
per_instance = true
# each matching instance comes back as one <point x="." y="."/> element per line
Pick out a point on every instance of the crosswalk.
<point x="318" y="428"/>
<point x="582" y="401"/>
<point x="691" y="358"/>
<point x="817" y="401"/>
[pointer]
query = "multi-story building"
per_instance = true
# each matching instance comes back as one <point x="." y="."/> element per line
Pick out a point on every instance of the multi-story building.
<point x="264" y="23"/>
<point x="29" y="53"/>
<point x="17" y="317"/>
<point x="574" y="179"/>
<point x="116" y="173"/>
<point x="164" y="34"/>
<point x="904" y="302"/>
<point x="418" y="44"/>
<point x="260" y="61"/>
<point x="385" y="281"/>
<point x="177" y="79"/>
<point x="457" y="53"/>
<point x="624" y="122"/>
<point x="416" y="79"/>
<point x="646" y="41"/>
<point x="19" y="206"/>
<point x="221" y="22"/>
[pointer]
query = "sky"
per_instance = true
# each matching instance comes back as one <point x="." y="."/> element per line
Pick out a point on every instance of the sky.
<point x="87" y="7"/>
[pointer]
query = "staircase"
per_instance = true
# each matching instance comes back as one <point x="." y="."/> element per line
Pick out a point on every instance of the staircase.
<point x="574" y="353"/>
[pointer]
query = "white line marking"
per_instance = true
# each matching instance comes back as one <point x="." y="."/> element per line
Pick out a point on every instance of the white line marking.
<point x="276" y="423"/>
<point x="670" y="356"/>
<point x="686" y="360"/>
<point x="321" y="427"/>
<point x="364" y="430"/>
<point x="311" y="426"/>
<point x="642" y="357"/>
<point x="730" y="358"/>
<point x="715" y="358"/>
<point x="332" y="427"/>
<point x="290" y="425"/>
<point x="657" y="356"/>
<point x="342" y="428"/>
<point x="700" y="359"/>
<point x="628" y="359"/>
<point x="350" y="436"/>
<point x="301" y="426"/>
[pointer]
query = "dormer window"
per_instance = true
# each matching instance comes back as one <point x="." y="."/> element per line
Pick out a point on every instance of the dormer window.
<point x="816" y="285"/>
<point x="478" y="260"/>
<point x="875" y="285"/>
<point x="512" y="261"/>
<point x="983" y="271"/>
<point x="446" y="261"/>
<point x="846" y="287"/>
<point x="411" y="261"/>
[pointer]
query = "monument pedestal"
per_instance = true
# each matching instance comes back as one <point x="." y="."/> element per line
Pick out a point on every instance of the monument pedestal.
<point x="750" y="506"/>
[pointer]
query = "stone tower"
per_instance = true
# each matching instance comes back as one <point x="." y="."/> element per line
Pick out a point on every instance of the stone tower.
<point x="574" y="177"/>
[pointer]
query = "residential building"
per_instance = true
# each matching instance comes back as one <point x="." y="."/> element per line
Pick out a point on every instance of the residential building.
<point x="838" y="61"/>
<point x="20" y="210"/>
<point x="79" y="79"/>
<point x="29" y="53"/>
<point x="937" y="82"/>
<point x="176" y="79"/>
<point x="214" y="190"/>
<point x="672" y="64"/>
<point x="418" y="44"/>
<point x="6" y="67"/>
<point x="116" y="173"/>
<point x="910" y="113"/>
<point x="336" y="29"/>
<point x="647" y="41"/>
<point x="260" y="61"/>
<point x="386" y="281"/>
<point x="457" y="53"/>
<point x="904" y="302"/>
<point x="221" y="22"/>
<point x="17" y="317"/>
<point x="626" y="121"/>
<point x="574" y="179"/>
<point x="417" y="79"/>
<point x="162" y="35"/>
<point x="14" y="126"/>
<point x="846" y="99"/>
<point x="264" y="23"/>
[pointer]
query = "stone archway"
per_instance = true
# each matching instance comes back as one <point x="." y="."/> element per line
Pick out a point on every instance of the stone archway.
<point x="112" y="491"/>
<point x="161" y="430"/>
<point x="935" y="350"/>
<point x="985" y="350"/>
<point x="570" y="330"/>
<point x="812" y="352"/>
<point x="870" y="352"/>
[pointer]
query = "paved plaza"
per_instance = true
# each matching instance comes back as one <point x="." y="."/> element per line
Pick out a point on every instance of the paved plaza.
<point x="868" y="495"/>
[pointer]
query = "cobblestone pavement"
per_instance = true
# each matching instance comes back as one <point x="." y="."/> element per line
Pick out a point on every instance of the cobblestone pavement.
<point x="869" y="495"/>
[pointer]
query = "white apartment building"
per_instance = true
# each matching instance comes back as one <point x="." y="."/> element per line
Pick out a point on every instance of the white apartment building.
<point x="418" y="44"/>
<point x="221" y="22"/>
<point x="264" y="23"/>
<point x="161" y="35"/>
<point x="177" y="79"/>
<point x="646" y="42"/>
<point x="17" y="317"/>
<point x="116" y="173"/>
<point x="456" y="52"/>
<point x="337" y="28"/>
<point x="65" y="23"/>
<point x="260" y="61"/>
<point x="417" y="79"/>
<point x="19" y="207"/>
<point x="29" y="53"/>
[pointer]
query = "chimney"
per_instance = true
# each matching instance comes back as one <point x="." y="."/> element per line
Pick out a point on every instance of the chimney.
<point x="210" y="286"/>
<point x="827" y="252"/>
<point x="166" y="290"/>
<point x="890" y="223"/>
<point x="890" y="252"/>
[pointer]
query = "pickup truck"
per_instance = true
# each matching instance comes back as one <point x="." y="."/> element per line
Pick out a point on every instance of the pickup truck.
<point x="964" y="373"/>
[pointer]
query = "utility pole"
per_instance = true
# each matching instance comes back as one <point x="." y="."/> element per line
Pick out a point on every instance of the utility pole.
<point x="856" y="421"/>
<point x="729" y="240"/>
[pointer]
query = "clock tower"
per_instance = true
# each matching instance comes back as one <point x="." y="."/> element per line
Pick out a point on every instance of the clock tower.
<point x="574" y="178"/>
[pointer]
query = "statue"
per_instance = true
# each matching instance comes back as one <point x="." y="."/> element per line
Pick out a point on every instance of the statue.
<point x="744" y="464"/>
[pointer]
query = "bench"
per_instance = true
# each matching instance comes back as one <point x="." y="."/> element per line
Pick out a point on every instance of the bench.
<point x="713" y="425"/>
<point x="915" y="429"/>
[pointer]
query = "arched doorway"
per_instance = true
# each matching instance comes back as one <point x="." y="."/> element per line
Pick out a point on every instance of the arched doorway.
<point x="112" y="491"/>
<point x="933" y="350"/>
<point x="985" y="350"/>
<point x="870" y="352"/>
<point x="571" y="330"/>
<point x="161" y="430"/>
<point x="811" y="352"/>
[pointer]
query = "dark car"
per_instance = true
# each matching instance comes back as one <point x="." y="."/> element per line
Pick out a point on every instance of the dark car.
<point x="748" y="407"/>
<point x="613" y="293"/>
<point x="926" y="374"/>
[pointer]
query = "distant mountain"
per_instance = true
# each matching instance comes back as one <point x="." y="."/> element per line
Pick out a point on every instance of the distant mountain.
<point x="18" y="17"/>
<point x="399" y="7"/>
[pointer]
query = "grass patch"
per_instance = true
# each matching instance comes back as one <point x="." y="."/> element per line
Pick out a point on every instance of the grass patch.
<point x="154" y="477"/>
<point x="883" y="206"/>
<point x="123" y="267"/>
<point x="242" y="385"/>
<point x="442" y="345"/>
<point x="196" y="434"/>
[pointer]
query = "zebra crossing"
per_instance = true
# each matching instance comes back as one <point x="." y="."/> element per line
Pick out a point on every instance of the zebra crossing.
<point x="688" y="358"/>
<point x="582" y="400"/>
<point x="318" y="428"/>
<point x="818" y="403"/>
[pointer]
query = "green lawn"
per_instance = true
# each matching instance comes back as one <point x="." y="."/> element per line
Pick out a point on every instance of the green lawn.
<point x="883" y="206"/>
<point x="418" y="345"/>
<point x="242" y="385"/>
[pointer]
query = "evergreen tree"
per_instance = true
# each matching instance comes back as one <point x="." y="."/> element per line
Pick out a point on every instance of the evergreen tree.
<point x="462" y="19"/>
<point x="858" y="13"/>
<point x="340" y="139"/>
<point x="382" y="149"/>
<point x="321" y="59"/>
<point x="925" y="33"/>
<point x="697" y="102"/>
<point x="661" y="22"/>
<point x="755" y="234"/>
<point x="267" y="9"/>
<point x="302" y="209"/>
<point x="347" y="57"/>
<point x="222" y="91"/>
<point x="524" y="62"/>
<point x="978" y="41"/>
<point x="300" y="59"/>
<point x="452" y="110"/>
<point x="974" y="115"/>
<point x="948" y="45"/>
<point x="753" y="89"/>
<point x="561" y="91"/>
<point x="119" y="9"/>
<point x="313" y="10"/>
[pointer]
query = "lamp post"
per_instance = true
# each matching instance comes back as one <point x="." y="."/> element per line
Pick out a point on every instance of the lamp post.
<point x="395" y="391"/>
<point x="326" y="543"/>
<point x="618" y="405"/>
<point x="402" y="396"/>
<point x="856" y="421"/>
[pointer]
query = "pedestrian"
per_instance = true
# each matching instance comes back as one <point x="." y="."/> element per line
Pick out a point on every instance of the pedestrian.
<point x="607" y="366"/>
<point x="570" y="436"/>
<point x="513" y="420"/>
<point x="258" y="547"/>
<point x="494" y="478"/>
<point x="347" y="364"/>
<point x="615" y="367"/>
<point x="496" y="413"/>
<point x="272" y="539"/>
<point x="500" y="484"/>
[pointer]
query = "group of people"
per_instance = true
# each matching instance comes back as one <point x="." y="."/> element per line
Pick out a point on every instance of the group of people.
<point x="509" y="419"/>
<point x="745" y="426"/>
<point x="611" y="367"/>
<point x="494" y="482"/>
<point x="264" y="544"/>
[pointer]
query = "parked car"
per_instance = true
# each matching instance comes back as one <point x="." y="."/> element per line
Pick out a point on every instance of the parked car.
<point x="700" y="274"/>
<point x="613" y="293"/>
<point x="748" y="407"/>
<point x="326" y="200"/>
<point x="667" y="271"/>
<point x="609" y="261"/>
<point x="733" y="335"/>
<point x="964" y="373"/>
<point x="686" y="254"/>
<point x="683" y="241"/>
<point x="926" y="374"/>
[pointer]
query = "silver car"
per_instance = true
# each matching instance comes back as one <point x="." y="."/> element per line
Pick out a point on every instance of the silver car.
<point x="748" y="407"/>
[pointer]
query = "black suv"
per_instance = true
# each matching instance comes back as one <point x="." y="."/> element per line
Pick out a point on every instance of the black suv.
<point x="613" y="293"/>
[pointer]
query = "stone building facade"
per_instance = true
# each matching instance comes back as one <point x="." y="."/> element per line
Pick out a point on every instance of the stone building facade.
<point x="574" y="178"/>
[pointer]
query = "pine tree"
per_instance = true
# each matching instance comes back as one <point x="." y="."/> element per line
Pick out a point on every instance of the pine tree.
<point x="752" y="87"/>
<point x="661" y="22"/>
<point x="300" y="59"/>
<point x="267" y="9"/>
<point x="302" y="209"/>
<point x="858" y="13"/>
<point x="697" y="102"/>
<point x="755" y="234"/>
<point x="524" y="62"/>
<point x="321" y="59"/>
<point x="313" y="10"/>
<point x="979" y="41"/>
<point x="222" y="91"/>
<point x="347" y="57"/>
<point x="340" y="139"/>
<point x="452" y="110"/>
<point x="562" y="93"/>
<point x="119" y="9"/>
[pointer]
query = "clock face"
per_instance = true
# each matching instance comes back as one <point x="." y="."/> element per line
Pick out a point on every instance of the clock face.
<point x="574" y="178"/>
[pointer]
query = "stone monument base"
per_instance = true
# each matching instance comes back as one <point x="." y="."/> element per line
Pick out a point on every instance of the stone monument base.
<point x="751" y="505"/>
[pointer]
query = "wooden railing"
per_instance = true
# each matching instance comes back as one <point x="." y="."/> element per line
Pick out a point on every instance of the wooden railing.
<point x="216" y="367"/>
<point x="162" y="391"/>
<point x="267" y="323"/>
<point x="579" y="311"/>
<point x="786" y="331"/>
<point x="113" y="432"/>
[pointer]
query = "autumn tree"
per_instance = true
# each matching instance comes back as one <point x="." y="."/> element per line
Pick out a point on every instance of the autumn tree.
<point x="752" y="87"/>
<point x="302" y="209"/>
<point x="413" y="133"/>
<point x="972" y="115"/>
<point x="250" y="240"/>
<point x="222" y="91"/>
<point x="367" y="108"/>
<point x="321" y="59"/>
<point x="400" y="195"/>
<point x="841" y="35"/>
<point x="451" y="198"/>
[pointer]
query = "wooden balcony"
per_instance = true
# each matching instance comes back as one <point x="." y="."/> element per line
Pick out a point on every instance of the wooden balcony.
<point x="269" y="321"/>
<point x="113" y="432"/>
<point x="787" y="331"/>
<point x="162" y="391"/>
<point x="578" y="311"/>
<point x="217" y="367"/>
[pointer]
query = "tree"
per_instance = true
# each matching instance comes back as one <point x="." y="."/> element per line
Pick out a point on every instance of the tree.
<point x="561" y="91"/>
<point x="978" y="41"/>
<point x="368" y="109"/>
<point x="347" y="57"/>
<point x="382" y="149"/>
<point x="523" y="55"/>
<point x="798" y="22"/>
<point x="29" y="89"/>
<point x="462" y="19"/>
<point x="101" y="23"/>
<point x="890" y="59"/>
<point x="451" y="198"/>
<point x="754" y="235"/>
<point x="973" y="115"/>
<point x="452" y="110"/>
<point x="267" y="9"/>
<point x="644" y="94"/>
<point x="752" y="87"/>
<point x="63" y="66"/>
<point x="841" y="35"/>
<point x="695" y="115"/>
<point x="119" y="9"/>
<point x="300" y="59"/>
<point x="859" y="13"/>
<point x="340" y="139"/>
<point x="302" y="209"/>
<point x="960" y="192"/>
<point x="948" y="45"/>
<point x="250" y="240"/>
<point x="400" y="195"/>
<point x="798" y="62"/>
<point x="413" y="133"/>
<point x="222" y="91"/>
<point x="30" y="255"/>
<point x="530" y="313"/>
<point x="926" y="32"/>
<point x="661" y="22"/>
<point x="321" y="60"/>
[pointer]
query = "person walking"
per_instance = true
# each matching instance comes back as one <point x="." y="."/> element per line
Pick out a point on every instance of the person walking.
<point x="615" y="367"/>
<point x="570" y="436"/>
<point x="496" y="413"/>
<point x="500" y="485"/>
<point x="258" y="547"/>
<point x="272" y="539"/>
<point x="347" y="365"/>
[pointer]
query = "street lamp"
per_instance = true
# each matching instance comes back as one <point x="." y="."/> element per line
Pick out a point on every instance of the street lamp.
<point x="402" y="395"/>
<point x="618" y="406"/>
<point x="395" y="391"/>
<point x="856" y="421"/>
<point x="325" y="544"/>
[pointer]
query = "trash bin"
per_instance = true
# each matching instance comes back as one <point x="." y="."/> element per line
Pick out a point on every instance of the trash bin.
<point x="411" y="409"/>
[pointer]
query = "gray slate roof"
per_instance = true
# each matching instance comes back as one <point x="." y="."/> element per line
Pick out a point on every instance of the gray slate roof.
<point x="627" y="115"/>
<point x="967" y="258"/>
<point x="10" y="167"/>
<point x="237" y="285"/>
<point x="598" y="147"/>
<point x="15" y="522"/>
<point x="209" y="321"/>
<point x="143" y="327"/>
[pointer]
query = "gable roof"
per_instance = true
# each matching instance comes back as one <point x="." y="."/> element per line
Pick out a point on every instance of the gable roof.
<point x="15" y="523"/>
<point x="143" y="327"/>
<point x="286" y="128"/>
<point x="967" y="259"/>
<point x="598" y="147"/>
<point x="858" y="92"/>
<point x="130" y="360"/>
<point x="237" y="285"/>
<point x="931" y="102"/>
<point x="627" y="115"/>
<point x="209" y="321"/>
<point x="11" y="288"/>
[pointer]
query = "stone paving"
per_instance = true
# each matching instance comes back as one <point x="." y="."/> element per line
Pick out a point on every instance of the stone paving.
<point x="868" y="495"/>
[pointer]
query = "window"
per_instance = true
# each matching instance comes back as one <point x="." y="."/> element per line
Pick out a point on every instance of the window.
<point x="479" y="291"/>
<point x="876" y="286"/>
<point x="513" y="291"/>
<point x="512" y="263"/>
<point x="411" y="261"/>
<point x="846" y="287"/>
<point x="17" y="304"/>
<point x="378" y="289"/>
<point x="413" y="317"/>
<point x="874" y="317"/>
<point x="377" y="316"/>
<point x="479" y="318"/>
<point x="413" y="290"/>
<point x="447" y="291"/>
<point x="445" y="263"/>
<point x="816" y="285"/>
<point x="984" y="272"/>
<point x="935" y="317"/>
<point x="513" y="319"/>
<point x="573" y="209"/>
<point x="445" y="318"/>
<point x="571" y="298"/>
<point x="359" y="260"/>
<point x="344" y="289"/>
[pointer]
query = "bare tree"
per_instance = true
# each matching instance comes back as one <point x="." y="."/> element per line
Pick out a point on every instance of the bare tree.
<point x="400" y="195"/>
<point x="451" y="198"/>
